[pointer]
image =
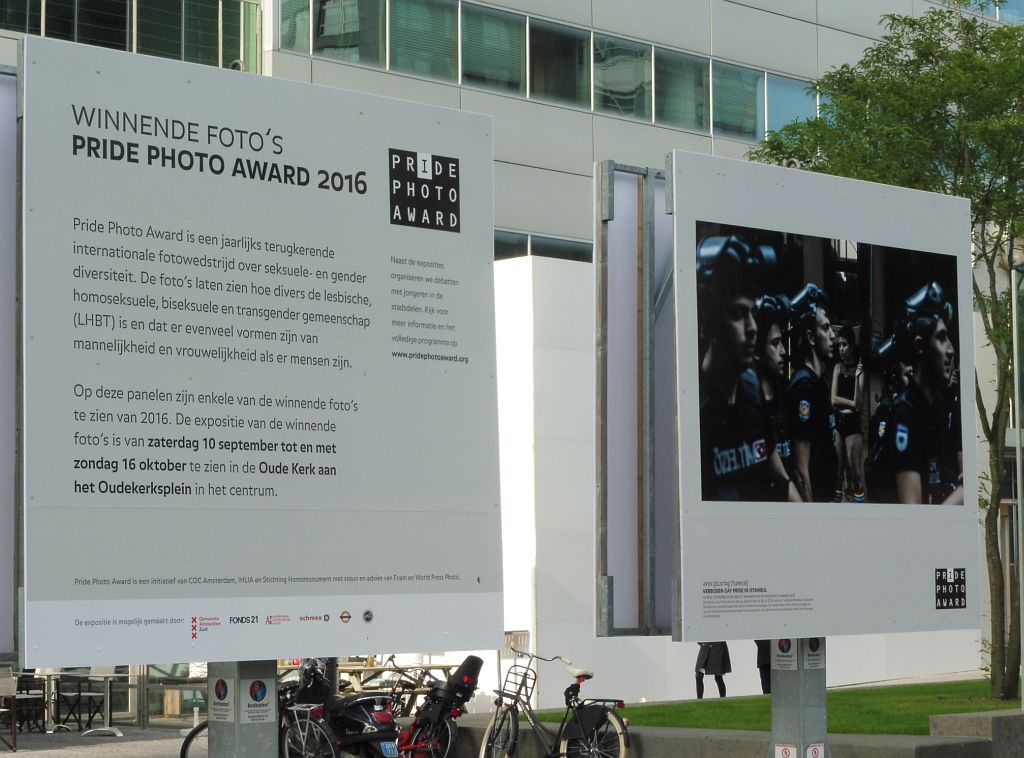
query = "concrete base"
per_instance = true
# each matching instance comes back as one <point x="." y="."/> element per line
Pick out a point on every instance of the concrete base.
<point x="1005" y="729"/>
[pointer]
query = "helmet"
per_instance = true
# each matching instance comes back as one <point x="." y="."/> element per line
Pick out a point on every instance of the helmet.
<point x="728" y="266"/>
<point x="929" y="301"/>
<point x="806" y="304"/>
<point x="921" y="312"/>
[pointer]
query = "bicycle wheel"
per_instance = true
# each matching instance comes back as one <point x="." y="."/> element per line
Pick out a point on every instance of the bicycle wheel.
<point x="433" y="740"/>
<point x="607" y="740"/>
<point x="502" y="732"/>
<point x="196" y="743"/>
<point x="306" y="738"/>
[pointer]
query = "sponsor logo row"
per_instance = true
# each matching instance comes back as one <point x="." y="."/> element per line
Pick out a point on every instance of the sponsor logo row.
<point x="202" y="624"/>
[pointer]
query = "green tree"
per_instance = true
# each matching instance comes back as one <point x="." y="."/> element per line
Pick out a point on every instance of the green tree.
<point x="938" y="105"/>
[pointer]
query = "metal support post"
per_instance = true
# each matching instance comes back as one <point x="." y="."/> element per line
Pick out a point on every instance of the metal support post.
<point x="242" y="708"/>
<point x="799" y="711"/>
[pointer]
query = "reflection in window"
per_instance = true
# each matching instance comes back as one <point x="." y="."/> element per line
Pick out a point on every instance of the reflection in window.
<point x="20" y="15"/>
<point x="682" y="94"/>
<point x="60" y="19"/>
<point x="349" y="30"/>
<point x="622" y="76"/>
<point x="423" y="37"/>
<point x="510" y="245"/>
<point x="295" y="25"/>
<point x="201" y="31"/>
<point x="103" y="23"/>
<point x="159" y="28"/>
<point x="493" y="49"/>
<point x="788" y="100"/>
<point x="569" y="250"/>
<point x="739" y="101"/>
<point x="559" y="63"/>
<point x="251" y="38"/>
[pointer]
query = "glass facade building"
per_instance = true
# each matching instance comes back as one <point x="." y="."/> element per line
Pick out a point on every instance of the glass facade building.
<point x="479" y="46"/>
<point x="225" y="33"/>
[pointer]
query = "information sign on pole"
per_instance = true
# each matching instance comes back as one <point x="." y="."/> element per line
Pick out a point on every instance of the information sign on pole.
<point x="793" y="288"/>
<point x="258" y="369"/>
<point x="8" y="521"/>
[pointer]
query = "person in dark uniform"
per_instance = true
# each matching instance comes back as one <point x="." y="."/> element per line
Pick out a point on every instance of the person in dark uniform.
<point x="739" y="461"/>
<point x="878" y="477"/>
<point x="809" y="399"/>
<point x="848" y="400"/>
<point x="921" y="449"/>
<point x="712" y="659"/>
<point x="771" y="362"/>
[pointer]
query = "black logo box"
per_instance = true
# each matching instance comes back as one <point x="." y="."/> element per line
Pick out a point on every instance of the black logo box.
<point x="424" y="190"/>
<point x="951" y="588"/>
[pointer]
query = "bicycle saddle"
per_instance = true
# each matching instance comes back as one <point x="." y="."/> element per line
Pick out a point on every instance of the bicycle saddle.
<point x="580" y="673"/>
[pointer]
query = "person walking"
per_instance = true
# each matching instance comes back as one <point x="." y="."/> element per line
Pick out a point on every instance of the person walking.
<point x="712" y="659"/>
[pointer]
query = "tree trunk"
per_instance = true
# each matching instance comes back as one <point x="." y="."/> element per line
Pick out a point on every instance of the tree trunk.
<point x="997" y="614"/>
<point x="1012" y="680"/>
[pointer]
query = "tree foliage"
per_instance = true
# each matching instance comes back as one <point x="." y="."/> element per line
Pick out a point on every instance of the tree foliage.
<point x="938" y="105"/>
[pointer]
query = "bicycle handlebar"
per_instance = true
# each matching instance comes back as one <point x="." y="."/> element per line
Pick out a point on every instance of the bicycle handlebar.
<point x="525" y="654"/>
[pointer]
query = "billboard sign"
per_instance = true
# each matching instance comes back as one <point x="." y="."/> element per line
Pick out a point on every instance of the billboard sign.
<point x="825" y="353"/>
<point x="259" y="390"/>
<point x="8" y="520"/>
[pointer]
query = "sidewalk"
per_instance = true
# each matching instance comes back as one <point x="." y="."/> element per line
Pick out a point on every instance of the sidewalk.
<point x="136" y="743"/>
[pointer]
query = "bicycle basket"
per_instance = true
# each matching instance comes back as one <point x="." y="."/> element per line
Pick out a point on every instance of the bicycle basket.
<point x="519" y="681"/>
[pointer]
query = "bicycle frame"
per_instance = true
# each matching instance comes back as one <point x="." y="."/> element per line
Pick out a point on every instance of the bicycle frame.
<point x="542" y="733"/>
<point x="572" y="719"/>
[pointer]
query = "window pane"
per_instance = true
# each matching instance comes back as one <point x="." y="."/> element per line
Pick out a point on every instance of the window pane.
<point x="60" y="19"/>
<point x="559" y="63"/>
<point x="509" y="245"/>
<point x="682" y="90"/>
<point x="159" y="28"/>
<point x="252" y="28"/>
<point x="350" y="30"/>
<point x="738" y="101"/>
<point x="103" y="23"/>
<point x="493" y="49"/>
<point x="295" y="25"/>
<point x="201" y="32"/>
<point x="423" y="37"/>
<point x="569" y="250"/>
<point x="622" y="76"/>
<point x="20" y="15"/>
<point x="788" y="100"/>
<point x="231" y="34"/>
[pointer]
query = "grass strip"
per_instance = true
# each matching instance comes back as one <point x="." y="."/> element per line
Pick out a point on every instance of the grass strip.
<point x="900" y="709"/>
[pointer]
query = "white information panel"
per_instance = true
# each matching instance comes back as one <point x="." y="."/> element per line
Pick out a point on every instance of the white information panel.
<point x="258" y="367"/>
<point x="755" y="565"/>
<point x="8" y="530"/>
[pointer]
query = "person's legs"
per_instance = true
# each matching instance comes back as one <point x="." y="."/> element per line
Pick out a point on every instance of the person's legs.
<point x="855" y="451"/>
<point x="700" y="685"/>
<point x="720" y="681"/>
<point x="842" y="472"/>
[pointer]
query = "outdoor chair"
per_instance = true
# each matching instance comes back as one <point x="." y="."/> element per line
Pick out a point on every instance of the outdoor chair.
<point x="8" y="717"/>
<point x="29" y="703"/>
<point x="79" y="699"/>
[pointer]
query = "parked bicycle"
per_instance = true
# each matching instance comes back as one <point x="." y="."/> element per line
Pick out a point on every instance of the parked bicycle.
<point x="313" y="722"/>
<point x="589" y="728"/>
<point x="323" y="724"/>
<point x="407" y="682"/>
<point x="433" y="729"/>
